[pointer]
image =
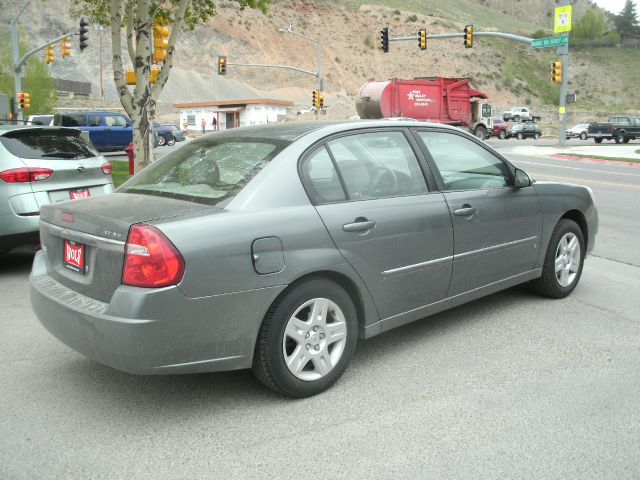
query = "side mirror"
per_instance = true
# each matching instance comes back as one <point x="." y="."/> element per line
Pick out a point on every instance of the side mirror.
<point x="522" y="179"/>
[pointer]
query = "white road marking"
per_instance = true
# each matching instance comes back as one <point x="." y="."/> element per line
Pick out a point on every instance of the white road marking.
<point x="577" y="168"/>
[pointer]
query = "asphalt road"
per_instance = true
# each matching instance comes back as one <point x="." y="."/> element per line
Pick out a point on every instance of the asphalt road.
<point x="509" y="386"/>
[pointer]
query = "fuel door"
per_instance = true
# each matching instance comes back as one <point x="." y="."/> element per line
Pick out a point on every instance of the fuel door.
<point x="267" y="255"/>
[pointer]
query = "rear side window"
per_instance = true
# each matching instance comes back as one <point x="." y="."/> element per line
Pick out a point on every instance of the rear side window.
<point x="72" y="120"/>
<point x="208" y="171"/>
<point x="47" y="144"/>
<point x="95" y="120"/>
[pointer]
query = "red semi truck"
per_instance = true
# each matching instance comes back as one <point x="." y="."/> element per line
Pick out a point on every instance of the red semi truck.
<point x="434" y="99"/>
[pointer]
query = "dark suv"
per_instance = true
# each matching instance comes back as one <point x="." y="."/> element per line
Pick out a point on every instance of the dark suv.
<point x="525" y="130"/>
<point x="108" y="131"/>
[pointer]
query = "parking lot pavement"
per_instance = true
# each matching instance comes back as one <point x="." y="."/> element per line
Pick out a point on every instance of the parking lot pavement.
<point x="510" y="386"/>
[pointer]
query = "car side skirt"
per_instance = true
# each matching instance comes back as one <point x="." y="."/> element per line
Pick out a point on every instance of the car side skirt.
<point x="447" y="303"/>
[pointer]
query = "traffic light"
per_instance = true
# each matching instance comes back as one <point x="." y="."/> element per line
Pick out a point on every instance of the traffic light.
<point x="65" y="47"/>
<point x="468" y="36"/>
<point x="384" y="39"/>
<point x="160" y="41"/>
<point x="24" y="100"/>
<point x="155" y="71"/>
<point x="422" y="39"/>
<point x="314" y="99"/>
<point x="49" y="54"/>
<point x="130" y="76"/>
<point x="222" y="64"/>
<point x="321" y="100"/>
<point x="556" y="72"/>
<point x="84" y="38"/>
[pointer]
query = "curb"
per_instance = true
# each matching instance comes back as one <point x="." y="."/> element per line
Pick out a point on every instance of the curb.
<point x="596" y="160"/>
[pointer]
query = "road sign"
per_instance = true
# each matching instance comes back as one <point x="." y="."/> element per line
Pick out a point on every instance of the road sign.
<point x="549" y="42"/>
<point x="562" y="19"/>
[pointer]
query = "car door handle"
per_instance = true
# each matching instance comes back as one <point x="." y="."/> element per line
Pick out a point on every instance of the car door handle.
<point x="359" y="225"/>
<point x="466" y="211"/>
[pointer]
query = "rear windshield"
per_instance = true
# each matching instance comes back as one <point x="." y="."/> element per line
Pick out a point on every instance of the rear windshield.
<point x="47" y="144"/>
<point x="207" y="171"/>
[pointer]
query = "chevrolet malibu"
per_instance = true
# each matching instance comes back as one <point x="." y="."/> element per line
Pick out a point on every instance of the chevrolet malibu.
<point x="277" y="247"/>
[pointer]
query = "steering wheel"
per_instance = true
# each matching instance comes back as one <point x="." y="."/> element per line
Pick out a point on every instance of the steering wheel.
<point x="383" y="183"/>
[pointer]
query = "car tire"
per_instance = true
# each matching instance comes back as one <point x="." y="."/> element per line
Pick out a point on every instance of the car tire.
<point x="171" y="141"/>
<point x="583" y="136"/>
<point x="536" y="136"/>
<point x="563" y="261"/>
<point x="520" y="136"/>
<point x="480" y="132"/>
<point x="516" y="118"/>
<point x="597" y="140"/>
<point x="162" y="140"/>
<point x="297" y="355"/>
<point x="626" y="140"/>
<point x="502" y="134"/>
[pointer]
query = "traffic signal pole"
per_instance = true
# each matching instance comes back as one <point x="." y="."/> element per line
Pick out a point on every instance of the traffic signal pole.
<point x="563" y="51"/>
<point x="18" y="61"/>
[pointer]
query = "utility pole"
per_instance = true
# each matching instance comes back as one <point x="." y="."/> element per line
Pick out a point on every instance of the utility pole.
<point x="100" y="28"/>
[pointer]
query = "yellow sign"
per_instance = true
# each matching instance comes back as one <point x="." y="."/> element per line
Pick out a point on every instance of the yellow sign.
<point x="562" y="19"/>
<point x="561" y="110"/>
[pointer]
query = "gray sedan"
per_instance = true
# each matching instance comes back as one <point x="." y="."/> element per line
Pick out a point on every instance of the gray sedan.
<point x="277" y="247"/>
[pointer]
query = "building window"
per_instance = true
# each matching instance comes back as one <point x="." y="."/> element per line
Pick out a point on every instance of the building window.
<point x="191" y="119"/>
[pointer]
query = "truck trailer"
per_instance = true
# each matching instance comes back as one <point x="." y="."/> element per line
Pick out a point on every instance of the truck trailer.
<point x="432" y="99"/>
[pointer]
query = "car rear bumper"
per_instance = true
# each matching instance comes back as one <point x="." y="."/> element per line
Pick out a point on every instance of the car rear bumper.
<point x="153" y="331"/>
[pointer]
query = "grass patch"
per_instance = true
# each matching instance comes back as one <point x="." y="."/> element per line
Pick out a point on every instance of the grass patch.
<point x="602" y="157"/>
<point x="120" y="172"/>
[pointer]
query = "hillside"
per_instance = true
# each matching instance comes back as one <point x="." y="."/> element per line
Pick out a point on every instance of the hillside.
<point x="509" y="73"/>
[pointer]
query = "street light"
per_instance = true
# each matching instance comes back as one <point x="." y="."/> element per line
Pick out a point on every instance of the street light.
<point x="317" y="42"/>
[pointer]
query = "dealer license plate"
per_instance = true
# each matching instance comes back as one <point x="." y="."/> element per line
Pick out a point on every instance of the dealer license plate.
<point x="74" y="256"/>
<point x="83" y="193"/>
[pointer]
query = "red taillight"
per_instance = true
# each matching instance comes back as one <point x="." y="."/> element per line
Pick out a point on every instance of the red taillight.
<point x="106" y="168"/>
<point x="150" y="259"/>
<point x="25" y="175"/>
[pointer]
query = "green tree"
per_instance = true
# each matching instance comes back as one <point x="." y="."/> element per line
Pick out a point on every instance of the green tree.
<point x="590" y="26"/>
<point x="627" y="21"/>
<point x="36" y="78"/>
<point x="136" y="17"/>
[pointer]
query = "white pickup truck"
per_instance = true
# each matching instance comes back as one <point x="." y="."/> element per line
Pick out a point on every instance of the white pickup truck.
<point x="519" y="114"/>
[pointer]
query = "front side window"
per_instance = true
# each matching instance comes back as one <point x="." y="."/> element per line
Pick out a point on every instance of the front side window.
<point x="95" y="120"/>
<point x="115" y="121"/>
<point x="206" y="172"/>
<point x="377" y="165"/>
<point x="463" y="164"/>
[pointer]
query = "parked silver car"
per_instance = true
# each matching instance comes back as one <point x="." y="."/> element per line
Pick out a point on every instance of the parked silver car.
<point x="40" y="165"/>
<point x="276" y="247"/>
<point x="581" y="130"/>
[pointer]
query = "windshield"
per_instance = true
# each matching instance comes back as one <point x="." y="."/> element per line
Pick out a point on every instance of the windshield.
<point x="47" y="144"/>
<point x="207" y="171"/>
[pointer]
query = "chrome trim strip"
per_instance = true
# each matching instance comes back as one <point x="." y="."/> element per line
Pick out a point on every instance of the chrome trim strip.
<point x="86" y="238"/>
<point x="494" y="247"/>
<point x="417" y="266"/>
<point x="200" y="362"/>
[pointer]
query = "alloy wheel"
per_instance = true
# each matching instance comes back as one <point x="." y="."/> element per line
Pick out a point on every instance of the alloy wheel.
<point x="314" y="339"/>
<point x="567" y="260"/>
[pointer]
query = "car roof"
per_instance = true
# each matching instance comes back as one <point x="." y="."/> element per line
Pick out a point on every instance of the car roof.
<point x="291" y="131"/>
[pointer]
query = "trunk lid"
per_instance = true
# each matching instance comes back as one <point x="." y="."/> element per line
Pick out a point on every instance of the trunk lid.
<point x="84" y="240"/>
